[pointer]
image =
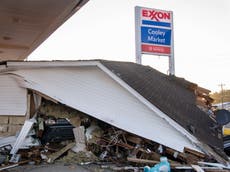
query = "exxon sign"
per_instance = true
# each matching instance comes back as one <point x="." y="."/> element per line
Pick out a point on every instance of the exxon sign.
<point x="153" y="31"/>
<point x="156" y="15"/>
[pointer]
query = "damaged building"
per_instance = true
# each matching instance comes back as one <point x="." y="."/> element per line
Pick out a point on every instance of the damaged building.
<point x="147" y="105"/>
<point x="96" y="110"/>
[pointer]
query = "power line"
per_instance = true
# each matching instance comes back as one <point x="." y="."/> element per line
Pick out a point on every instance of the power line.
<point x="222" y="94"/>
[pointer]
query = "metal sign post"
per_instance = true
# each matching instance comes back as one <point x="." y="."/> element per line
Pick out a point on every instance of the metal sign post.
<point x="154" y="34"/>
<point x="171" y="57"/>
<point x="137" y="35"/>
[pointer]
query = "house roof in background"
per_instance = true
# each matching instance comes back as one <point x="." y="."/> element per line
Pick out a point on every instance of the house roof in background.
<point x="25" y="24"/>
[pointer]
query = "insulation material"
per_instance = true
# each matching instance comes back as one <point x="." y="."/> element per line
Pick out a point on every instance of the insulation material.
<point x="37" y="100"/>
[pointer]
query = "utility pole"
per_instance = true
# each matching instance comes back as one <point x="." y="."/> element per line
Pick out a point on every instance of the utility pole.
<point x="222" y="94"/>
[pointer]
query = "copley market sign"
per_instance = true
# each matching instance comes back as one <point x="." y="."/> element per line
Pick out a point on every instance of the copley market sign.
<point x="153" y="31"/>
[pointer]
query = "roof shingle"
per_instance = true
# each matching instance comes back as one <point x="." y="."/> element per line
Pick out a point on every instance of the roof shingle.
<point x="172" y="95"/>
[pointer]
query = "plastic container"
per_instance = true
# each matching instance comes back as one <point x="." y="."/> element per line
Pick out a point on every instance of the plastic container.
<point x="163" y="166"/>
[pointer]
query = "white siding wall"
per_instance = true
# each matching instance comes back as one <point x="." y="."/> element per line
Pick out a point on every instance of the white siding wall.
<point x="90" y="90"/>
<point x="13" y="98"/>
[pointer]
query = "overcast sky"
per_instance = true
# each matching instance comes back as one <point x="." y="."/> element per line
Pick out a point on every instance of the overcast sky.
<point x="104" y="29"/>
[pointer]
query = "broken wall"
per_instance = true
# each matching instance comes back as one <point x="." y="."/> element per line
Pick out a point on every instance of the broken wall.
<point x="49" y="108"/>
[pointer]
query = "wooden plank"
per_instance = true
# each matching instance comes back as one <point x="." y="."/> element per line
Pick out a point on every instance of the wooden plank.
<point x="146" y="161"/>
<point x="193" y="152"/>
<point x="207" y="97"/>
<point x="210" y="152"/>
<point x="28" y="106"/>
<point x="142" y="161"/>
<point x="13" y="165"/>
<point x="56" y="155"/>
<point x="13" y="46"/>
<point x="176" y="154"/>
<point x="8" y="167"/>
<point x="217" y="165"/>
<point x="32" y="105"/>
<point x="144" y="154"/>
<point x="203" y="90"/>
<point x="133" y="139"/>
<point x="197" y="168"/>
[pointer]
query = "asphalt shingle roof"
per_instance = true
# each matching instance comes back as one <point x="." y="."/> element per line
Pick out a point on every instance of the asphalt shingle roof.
<point x="172" y="95"/>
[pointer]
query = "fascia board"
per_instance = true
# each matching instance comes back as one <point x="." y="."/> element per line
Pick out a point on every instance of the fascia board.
<point x="45" y="64"/>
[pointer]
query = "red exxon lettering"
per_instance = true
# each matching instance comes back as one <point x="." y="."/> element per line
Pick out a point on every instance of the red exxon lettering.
<point x="155" y="15"/>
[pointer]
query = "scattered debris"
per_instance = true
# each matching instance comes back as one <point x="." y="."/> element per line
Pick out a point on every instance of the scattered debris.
<point x="56" y="155"/>
<point x="22" y="135"/>
<point x="7" y="141"/>
<point x="8" y="166"/>
<point x="15" y="158"/>
<point x="197" y="168"/>
<point x="162" y="166"/>
<point x="50" y="137"/>
<point x="215" y="165"/>
<point x="82" y="157"/>
<point x="13" y="165"/>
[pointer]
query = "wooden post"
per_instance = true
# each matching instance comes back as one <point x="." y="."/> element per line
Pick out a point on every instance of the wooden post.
<point x="28" y="107"/>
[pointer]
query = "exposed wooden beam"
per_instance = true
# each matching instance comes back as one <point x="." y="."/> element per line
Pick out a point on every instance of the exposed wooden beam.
<point x="13" y="46"/>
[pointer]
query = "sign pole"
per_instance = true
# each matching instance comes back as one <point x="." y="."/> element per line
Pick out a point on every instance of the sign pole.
<point x="171" y="65"/>
<point x="138" y="35"/>
<point x="171" y="57"/>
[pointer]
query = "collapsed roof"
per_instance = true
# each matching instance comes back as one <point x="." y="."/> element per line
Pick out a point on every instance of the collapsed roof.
<point x="172" y="95"/>
<point x="130" y="96"/>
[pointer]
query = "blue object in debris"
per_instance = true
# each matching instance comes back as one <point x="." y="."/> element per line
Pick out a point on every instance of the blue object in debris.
<point x="147" y="169"/>
<point x="163" y="166"/>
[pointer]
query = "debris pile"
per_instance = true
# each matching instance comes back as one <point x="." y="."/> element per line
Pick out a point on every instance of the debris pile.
<point x="58" y="133"/>
<point x="203" y="100"/>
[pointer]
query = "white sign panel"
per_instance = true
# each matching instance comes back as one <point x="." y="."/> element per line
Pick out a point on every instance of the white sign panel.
<point x="154" y="32"/>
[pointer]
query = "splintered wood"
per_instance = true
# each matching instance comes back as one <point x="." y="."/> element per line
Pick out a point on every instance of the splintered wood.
<point x="56" y="155"/>
<point x="198" y="154"/>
